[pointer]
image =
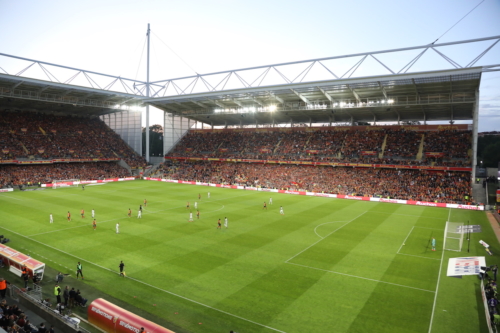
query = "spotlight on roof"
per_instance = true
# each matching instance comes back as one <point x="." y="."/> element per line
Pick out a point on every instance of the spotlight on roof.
<point x="272" y="108"/>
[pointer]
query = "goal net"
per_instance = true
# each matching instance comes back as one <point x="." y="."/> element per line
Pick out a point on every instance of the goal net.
<point x="65" y="183"/>
<point x="453" y="236"/>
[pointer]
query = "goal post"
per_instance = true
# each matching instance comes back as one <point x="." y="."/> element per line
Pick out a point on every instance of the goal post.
<point x="454" y="236"/>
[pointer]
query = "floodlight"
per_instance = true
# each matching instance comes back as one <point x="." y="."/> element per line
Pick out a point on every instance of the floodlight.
<point x="390" y="101"/>
<point x="272" y="108"/>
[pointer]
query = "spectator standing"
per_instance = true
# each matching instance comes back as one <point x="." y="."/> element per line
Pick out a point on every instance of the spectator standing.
<point x="3" y="287"/>
<point x="72" y="295"/>
<point x="26" y="279"/>
<point x="66" y="296"/>
<point x="57" y="292"/>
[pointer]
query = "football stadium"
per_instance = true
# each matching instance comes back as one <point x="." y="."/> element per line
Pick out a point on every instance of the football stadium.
<point x="291" y="197"/>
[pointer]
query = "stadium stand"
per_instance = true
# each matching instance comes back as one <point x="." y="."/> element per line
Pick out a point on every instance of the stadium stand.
<point x="393" y="143"/>
<point x="443" y="174"/>
<point x="418" y="185"/>
<point x="29" y="135"/>
<point x="14" y="175"/>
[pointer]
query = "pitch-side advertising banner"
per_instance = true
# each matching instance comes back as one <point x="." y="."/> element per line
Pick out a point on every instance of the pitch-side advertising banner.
<point x="340" y="196"/>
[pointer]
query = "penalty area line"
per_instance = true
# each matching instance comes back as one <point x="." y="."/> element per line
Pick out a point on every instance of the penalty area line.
<point x="360" y="277"/>
<point x="149" y="285"/>
<point x="319" y="225"/>
<point x="405" y="239"/>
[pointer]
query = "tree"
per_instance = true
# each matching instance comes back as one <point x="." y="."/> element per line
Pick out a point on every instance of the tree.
<point x="488" y="150"/>
<point x="155" y="140"/>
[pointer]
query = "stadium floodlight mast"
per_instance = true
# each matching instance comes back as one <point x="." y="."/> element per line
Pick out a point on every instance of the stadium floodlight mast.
<point x="147" y="94"/>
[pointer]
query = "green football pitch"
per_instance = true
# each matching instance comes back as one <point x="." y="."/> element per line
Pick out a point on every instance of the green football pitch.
<point x="326" y="265"/>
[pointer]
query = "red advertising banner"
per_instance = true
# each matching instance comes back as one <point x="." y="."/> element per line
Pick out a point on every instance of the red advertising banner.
<point x="41" y="151"/>
<point x="498" y="195"/>
<point x="189" y="149"/>
<point x="264" y="150"/>
<point x="223" y="150"/>
<point x="312" y="151"/>
<point x="434" y="154"/>
<point x="59" y="160"/>
<point x="368" y="152"/>
<point x="329" y="195"/>
<point x="24" y="130"/>
<point x="111" y="318"/>
<point x="54" y="131"/>
<point x="5" y="151"/>
<point x="359" y="165"/>
<point x="456" y="127"/>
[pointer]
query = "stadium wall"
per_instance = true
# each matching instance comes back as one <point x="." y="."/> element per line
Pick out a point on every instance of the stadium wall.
<point x="327" y="195"/>
<point x="174" y="129"/>
<point x="127" y="124"/>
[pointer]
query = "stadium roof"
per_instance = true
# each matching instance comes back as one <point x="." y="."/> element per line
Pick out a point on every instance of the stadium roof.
<point x="38" y="95"/>
<point x="308" y="91"/>
<point x="429" y="96"/>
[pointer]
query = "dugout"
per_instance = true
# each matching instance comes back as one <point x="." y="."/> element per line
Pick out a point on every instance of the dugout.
<point x="111" y="318"/>
<point x="16" y="260"/>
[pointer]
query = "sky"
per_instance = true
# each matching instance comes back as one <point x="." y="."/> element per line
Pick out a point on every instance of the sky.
<point x="108" y="36"/>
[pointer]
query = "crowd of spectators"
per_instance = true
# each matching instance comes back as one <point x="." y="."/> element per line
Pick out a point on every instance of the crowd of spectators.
<point x="402" y="143"/>
<point x="45" y="136"/>
<point x="330" y="145"/>
<point x="419" y="185"/>
<point x="15" y="175"/>
<point x="13" y="319"/>
<point x="454" y="144"/>
<point x="491" y="292"/>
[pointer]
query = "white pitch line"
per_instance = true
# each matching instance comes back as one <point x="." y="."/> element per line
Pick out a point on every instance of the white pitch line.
<point x="429" y="228"/>
<point x="427" y="217"/>
<point x="7" y="196"/>
<point x="360" y="277"/>
<point x="412" y="255"/>
<point x="405" y="239"/>
<point x="437" y="284"/>
<point x="319" y="225"/>
<point x="149" y="285"/>
<point x="307" y="248"/>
